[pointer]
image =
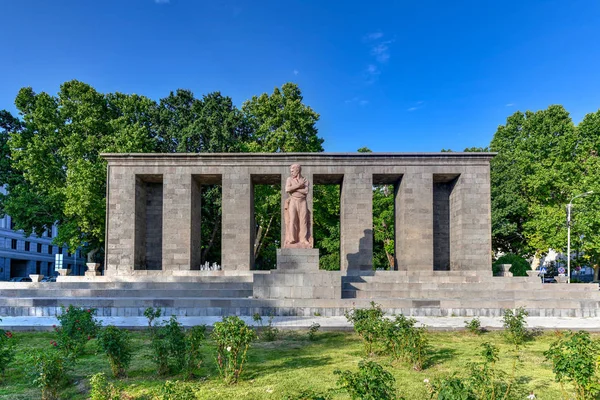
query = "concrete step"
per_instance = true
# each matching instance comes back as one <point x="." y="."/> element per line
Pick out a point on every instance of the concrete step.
<point x="462" y="294"/>
<point x="117" y="293"/>
<point x="60" y="286"/>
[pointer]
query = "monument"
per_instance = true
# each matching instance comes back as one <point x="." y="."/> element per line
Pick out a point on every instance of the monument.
<point x="296" y="213"/>
<point x="442" y="241"/>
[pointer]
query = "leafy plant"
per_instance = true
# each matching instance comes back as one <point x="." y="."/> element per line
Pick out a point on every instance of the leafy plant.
<point x="194" y="339"/>
<point x="368" y="324"/>
<point x="312" y="331"/>
<point x="151" y="314"/>
<point x="116" y="343"/>
<point x="474" y="326"/>
<point x="49" y="369"/>
<point x="515" y="326"/>
<point x="371" y="382"/>
<point x="406" y="342"/>
<point x="449" y="388"/>
<point x="574" y="358"/>
<point x="102" y="389"/>
<point x="233" y="338"/>
<point x="169" y="347"/>
<point x="7" y="350"/>
<point x="268" y="333"/>
<point x="309" y="394"/>
<point x="176" y="390"/>
<point x="77" y="327"/>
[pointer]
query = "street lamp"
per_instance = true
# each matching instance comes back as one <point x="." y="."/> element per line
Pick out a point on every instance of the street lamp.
<point x="569" y="233"/>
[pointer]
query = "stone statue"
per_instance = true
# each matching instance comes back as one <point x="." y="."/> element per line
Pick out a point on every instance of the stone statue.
<point x="296" y="214"/>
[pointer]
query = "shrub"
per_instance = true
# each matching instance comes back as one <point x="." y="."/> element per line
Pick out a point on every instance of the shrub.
<point x="368" y="324"/>
<point x="515" y="326"/>
<point x="308" y="394"/>
<point x="519" y="265"/>
<point x="474" y="326"/>
<point x="233" y="338"/>
<point x="449" y="388"/>
<point x="77" y="326"/>
<point x="574" y="359"/>
<point x="102" y="389"/>
<point x="169" y="347"/>
<point x="267" y="333"/>
<point x="406" y="342"/>
<point x="7" y="350"/>
<point x="151" y="314"/>
<point x="312" y="331"/>
<point x="194" y="339"/>
<point x="49" y="368"/>
<point x="116" y="343"/>
<point x="176" y="390"/>
<point x="371" y="382"/>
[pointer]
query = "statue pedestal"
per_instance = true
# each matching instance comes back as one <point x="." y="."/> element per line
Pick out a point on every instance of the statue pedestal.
<point x="300" y="260"/>
<point x="298" y="277"/>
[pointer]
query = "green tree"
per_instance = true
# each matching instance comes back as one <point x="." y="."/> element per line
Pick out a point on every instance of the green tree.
<point x="57" y="151"/>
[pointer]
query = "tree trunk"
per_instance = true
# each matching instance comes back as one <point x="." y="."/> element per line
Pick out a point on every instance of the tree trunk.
<point x="212" y="239"/>
<point x="257" y="248"/>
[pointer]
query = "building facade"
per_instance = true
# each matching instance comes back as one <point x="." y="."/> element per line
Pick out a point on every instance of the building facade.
<point x="21" y="256"/>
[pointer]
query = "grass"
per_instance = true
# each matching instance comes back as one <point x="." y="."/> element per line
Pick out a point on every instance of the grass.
<point x="289" y="365"/>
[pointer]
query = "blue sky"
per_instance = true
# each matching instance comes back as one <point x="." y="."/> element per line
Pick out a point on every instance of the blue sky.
<point x="393" y="76"/>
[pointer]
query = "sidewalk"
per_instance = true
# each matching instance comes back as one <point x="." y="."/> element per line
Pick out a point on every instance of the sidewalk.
<point x="327" y="323"/>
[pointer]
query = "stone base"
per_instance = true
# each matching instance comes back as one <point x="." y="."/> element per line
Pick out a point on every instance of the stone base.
<point x="92" y="273"/>
<point x="63" y="271"/>
<point x="36" y="277"/>
<point x="301" y="260"/>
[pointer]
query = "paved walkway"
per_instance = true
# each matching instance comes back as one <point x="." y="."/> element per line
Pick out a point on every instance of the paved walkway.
<point x="327" y="323"/>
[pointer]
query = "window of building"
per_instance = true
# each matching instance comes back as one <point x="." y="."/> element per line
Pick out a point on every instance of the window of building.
<point x="39" y="247"/>
<point x="58" y="261"/>
<point x="60" y="250"/>
<point x="27" y="246"/>
<point x="12" y="224"/>
<point x="49" y="249"/>
<point x="13" y="244"/>
<point x="68" y="254"/>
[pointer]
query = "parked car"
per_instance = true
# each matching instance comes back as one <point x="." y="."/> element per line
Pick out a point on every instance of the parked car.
<point x="49" y="279"/>
<point x="20" y="279"/>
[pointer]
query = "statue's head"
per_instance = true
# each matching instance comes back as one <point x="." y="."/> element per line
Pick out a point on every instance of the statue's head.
<point x="295" y="170"/>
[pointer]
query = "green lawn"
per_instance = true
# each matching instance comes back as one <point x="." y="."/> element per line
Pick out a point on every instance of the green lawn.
<point x="286" y="366"/>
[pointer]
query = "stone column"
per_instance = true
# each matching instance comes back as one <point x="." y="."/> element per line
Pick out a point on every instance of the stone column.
<point x="177" y="201"/>
<point x="414" y="221"/>
<point x="120" y="228"/>
<point x="470" y="222"/>
<point x="236" y="244"/>
<point x="356" y="222"/>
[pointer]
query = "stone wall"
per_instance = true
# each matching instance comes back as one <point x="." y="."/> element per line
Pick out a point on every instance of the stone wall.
<point x="420" y="212"/>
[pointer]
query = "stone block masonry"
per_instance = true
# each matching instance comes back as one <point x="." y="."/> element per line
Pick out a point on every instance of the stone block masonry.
<point x="153" y="204"/>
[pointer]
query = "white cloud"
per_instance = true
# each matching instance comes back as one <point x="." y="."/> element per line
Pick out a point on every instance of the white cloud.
<point x="357" y="100"/>
<point x="510" y="104"/>
<point x="381" y="51"/>
<point x="363" y="102"/>
<point x="418" y="105"/>
<point x="411" y="109"/>
<point x="162" y="1"/>
<point x="373" y="36"/>
<point x="296" y="72"/>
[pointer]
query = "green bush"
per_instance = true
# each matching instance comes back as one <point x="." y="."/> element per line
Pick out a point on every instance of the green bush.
<point x="151" y="314"/>
<point x="449" y="388"/>
<point x="168" y="347"/>
<point x="519" y="265"/>
<point x="7" y="350"/>
<point x="404" y="341"/>
<point x="371" y="382"/>
<point x="368" y="324"/>
<point x="515" y="326"/>
<point x="309" y="394"/>
<point x="574" y="358"/>
<point x="312" y="331"/>
<point x="102" y="389"/>
<point x="268" y="333"/>
<point x="49" y="369"/>
<point x="233" y="338"/>
<point x="77" y="327"/>
<point x="116" y="343"/>
<point x="176" y="390"/>
<point x="194" y="340"/>
<point x="474" y="326"/>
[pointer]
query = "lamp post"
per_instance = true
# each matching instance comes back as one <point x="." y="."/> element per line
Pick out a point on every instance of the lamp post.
<point x="569" y="206"/>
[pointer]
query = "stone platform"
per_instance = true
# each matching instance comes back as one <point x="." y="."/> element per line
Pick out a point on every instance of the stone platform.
<point x="432" y="293"/>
